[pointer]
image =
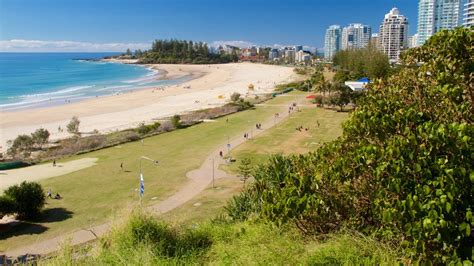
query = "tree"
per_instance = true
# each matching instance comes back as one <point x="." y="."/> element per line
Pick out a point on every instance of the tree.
<point x="128" y="52"/>
<point x="73" y="126"/>
<point x="235" y="97"/>
<point x="28" y="199"/>
<point x="40" y="137"/>
<point x="22" y="145"/>
<point x="245" y="169"/>
<point x="7" y="206"/>
<point x="343" y="95"/>
<point x="176" y="121"/>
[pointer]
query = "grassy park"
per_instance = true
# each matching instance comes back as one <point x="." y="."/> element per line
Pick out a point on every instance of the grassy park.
<point x="100" y="193"/>
<point x="282" y="138"/>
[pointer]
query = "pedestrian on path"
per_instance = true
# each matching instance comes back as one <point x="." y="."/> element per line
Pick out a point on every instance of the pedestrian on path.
<point x="121" y="166"/>
<point x="221" y="154"/>
<point x="54" y="163"/>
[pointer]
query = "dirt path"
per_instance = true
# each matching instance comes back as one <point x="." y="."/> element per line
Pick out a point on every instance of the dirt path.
<point x="42" y="171"/>
<point x="199" y="180"/>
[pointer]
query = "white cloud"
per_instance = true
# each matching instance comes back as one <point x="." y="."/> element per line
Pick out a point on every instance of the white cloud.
<point x="67" y="46"/>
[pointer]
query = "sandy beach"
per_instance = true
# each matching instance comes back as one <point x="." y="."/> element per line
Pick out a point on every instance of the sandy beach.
<point x="210" y="86"/>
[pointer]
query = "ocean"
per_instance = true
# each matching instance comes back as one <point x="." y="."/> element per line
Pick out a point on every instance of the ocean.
<point x="29" y="80"/>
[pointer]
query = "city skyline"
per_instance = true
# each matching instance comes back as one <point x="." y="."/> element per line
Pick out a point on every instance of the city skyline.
<point x="112" y="25"/>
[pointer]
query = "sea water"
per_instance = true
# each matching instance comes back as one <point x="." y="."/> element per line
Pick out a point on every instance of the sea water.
<point x="29" y="80"/>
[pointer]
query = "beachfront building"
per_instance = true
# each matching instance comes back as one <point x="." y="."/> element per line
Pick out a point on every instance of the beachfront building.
<point x="469" y="13"/>
<point x="393" y="35"/>
<point x="332" y="41"/>
<point x="436" y="15"/>
<point x="298" y="48"/>
<point x="374" y="41"/>
<point x="303" y="57"/>
<point x="413" y="41"/>
<point x="290" y="55"/>
<point x="273" y="54"/>
<point x="356" y="36"/>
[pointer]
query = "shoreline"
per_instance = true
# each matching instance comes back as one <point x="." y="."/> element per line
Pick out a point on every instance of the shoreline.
<point x="210" y="86"/>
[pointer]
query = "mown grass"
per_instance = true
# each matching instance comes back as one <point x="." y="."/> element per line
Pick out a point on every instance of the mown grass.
<point x="143" y="240"/>
<point x="96" y="194"/>
<point x="285" y="139"/>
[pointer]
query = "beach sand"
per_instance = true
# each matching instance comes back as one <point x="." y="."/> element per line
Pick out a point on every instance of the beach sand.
<point x="118" y="112"/>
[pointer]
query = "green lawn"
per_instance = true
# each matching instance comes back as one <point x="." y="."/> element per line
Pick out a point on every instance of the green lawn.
<point x="100" y="193"/>
<point x="285" y="139"/>
<point x="282" y="138"/>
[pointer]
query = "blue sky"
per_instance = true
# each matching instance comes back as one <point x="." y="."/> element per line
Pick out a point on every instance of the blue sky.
<point x="114" y="24"/>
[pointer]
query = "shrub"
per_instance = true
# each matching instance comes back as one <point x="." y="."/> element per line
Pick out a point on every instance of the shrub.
<point x="40" y="137"/>
<point x="22" y="145"/>
<point x="7" y="206"/>
<point x="235" y="97"/>
<point x="142" y="231"/>
<point x="28" y="199"/>
<point x="402" y="169"/>
<point x="73" y="126"/>
<point x="176" y="121"/>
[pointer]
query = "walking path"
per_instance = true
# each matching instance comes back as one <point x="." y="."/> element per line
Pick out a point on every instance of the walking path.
<point x="199" y="180"/>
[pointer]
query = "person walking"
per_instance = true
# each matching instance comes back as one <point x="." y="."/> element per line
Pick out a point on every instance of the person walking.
<point x="54" y="163"/>
<point x="121" y="166"/>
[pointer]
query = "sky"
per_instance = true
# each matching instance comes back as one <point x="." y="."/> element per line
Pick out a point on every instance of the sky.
<point x="114" y="25"/>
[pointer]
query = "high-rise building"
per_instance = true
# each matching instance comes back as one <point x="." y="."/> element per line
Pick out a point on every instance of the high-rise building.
<point x="356" y="36"/>
<point x="436" y="15"/>
<point x="469" y="13"/>
<point x="298" y="48"/>
<point x="413" y="41"/>
<point x="393" y="34"/>
<point x="332" y="42"/>
<point x="375" y="41"/>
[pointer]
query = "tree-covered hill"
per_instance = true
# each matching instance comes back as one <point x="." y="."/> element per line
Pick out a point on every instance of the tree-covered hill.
<point x="182" y="52"/>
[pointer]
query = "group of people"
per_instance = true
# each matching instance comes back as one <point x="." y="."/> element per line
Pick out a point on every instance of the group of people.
<point x="246" y="135"/>
<point x="50" y="195"/>
<point x="258" y="126"/>
<point x="300" y="129"/>
<point x="292" y="108"/>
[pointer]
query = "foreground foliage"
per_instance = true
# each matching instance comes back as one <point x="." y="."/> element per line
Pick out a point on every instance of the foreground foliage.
<point x="143" y="240"/>
<point x="403" y="169"/>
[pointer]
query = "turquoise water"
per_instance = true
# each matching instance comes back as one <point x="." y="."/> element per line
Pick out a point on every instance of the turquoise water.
<point x="29" y="80"/>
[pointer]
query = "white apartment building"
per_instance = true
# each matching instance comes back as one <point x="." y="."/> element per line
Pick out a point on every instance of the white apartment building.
<point x="356" y="36"/>
<point x="436" y="15"/>
<point x="469" y="13"/>
<point x="393" y="34"/>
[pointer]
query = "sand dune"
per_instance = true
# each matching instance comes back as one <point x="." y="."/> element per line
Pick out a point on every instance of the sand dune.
<point x="127" y="110"/>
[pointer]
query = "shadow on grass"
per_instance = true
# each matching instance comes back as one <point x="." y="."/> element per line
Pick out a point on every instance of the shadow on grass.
<point x="36" y="226"/>
<point x="18" y="228"/>
<point x="54" y="215"/>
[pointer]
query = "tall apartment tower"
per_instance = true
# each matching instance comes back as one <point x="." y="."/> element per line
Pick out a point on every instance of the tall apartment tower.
<point x="436" y="15"/>
<point x="356" y="36"/>
<point x="332" y="42"/>
<point x="469" y="13"/>
<point x="393" y="34"/>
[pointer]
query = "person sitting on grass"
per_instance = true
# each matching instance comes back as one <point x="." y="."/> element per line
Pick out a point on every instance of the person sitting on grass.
<point x="57" y="196"/>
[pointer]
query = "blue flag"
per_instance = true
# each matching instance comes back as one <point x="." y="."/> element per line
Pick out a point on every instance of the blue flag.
<point x="142" y="186"/>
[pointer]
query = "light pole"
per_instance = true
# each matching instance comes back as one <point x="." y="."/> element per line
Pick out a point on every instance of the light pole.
<point x="142" y="184"/>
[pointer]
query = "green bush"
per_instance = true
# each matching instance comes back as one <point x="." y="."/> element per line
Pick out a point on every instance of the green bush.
<point x="7" y="206"/>
<point x="145" y="231"/>
<point x="28" y="199"/>
<point x="176" y="121"/>
<point x="402" y="169"/>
